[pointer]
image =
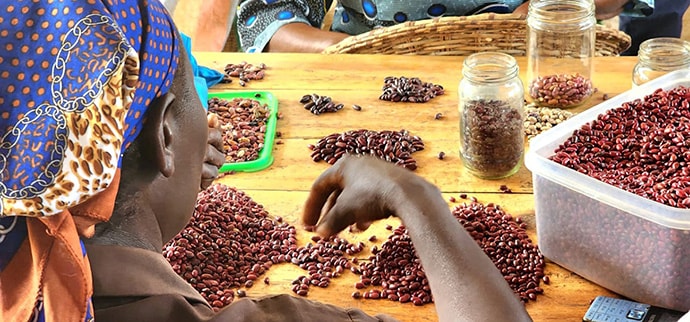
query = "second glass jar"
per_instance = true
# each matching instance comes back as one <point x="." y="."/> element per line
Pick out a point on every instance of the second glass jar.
<point x="659" y="56"/>
<point x="491" y="103"/>
<point x="561" y="37"/>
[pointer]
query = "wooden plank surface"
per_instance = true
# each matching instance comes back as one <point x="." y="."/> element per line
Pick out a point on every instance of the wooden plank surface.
<point x="357" y="79"/>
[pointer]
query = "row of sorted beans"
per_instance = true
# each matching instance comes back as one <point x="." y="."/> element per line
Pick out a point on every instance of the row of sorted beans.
<point x="561" y="90"/>
<point x="397" y="271"/>
<point x="539" y="119"/>
<point x="318" y="104"/>
<point x="244" y="71"/>
<point x="229" y="243"/>
<point x="409" y="89"/>
<point x="393" y="146"/>
<point x="504" y="239"/>
<point x="323" y="260"/>
<point x="243" y="123"/>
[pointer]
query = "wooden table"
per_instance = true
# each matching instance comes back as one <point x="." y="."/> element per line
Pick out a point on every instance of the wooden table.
<point x="357" y="79"/>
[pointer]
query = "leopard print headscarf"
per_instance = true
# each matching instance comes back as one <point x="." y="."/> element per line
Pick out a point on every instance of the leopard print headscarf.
<point x="75" y="80"/>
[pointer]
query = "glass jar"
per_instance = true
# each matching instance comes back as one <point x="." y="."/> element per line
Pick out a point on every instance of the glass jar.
<point x="560" y="46"/>
<point x="658" y="56"/>
<point x="491" y="104"/>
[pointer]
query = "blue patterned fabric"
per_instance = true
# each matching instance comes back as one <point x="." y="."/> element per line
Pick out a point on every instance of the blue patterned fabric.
<point x="76" y="78"/>
<point x="258" y="20"/>
<point x="56" y="64"/>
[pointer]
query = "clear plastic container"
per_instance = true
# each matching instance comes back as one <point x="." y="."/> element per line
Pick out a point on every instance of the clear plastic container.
<point x="629" y="244"/>
<point x="491" y="100"/>
<point x="658" y="56"/>
<point x="560" y="46"/>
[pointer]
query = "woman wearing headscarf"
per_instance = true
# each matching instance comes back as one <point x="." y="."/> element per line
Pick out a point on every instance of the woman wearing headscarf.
<point x="76" y="79"/>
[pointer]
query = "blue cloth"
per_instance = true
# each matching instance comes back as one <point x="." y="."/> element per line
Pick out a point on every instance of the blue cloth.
<point x="665" y="21"/>
<point x="204" y="77"/>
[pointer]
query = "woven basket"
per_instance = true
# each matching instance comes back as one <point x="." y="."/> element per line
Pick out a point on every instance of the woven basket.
<point x="461" y="36"/>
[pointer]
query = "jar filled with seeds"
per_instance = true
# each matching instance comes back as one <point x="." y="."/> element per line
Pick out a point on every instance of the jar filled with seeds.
<point x="491" y="102"/>
<point x="560" y="46"/>
<point x="658" y="56"/>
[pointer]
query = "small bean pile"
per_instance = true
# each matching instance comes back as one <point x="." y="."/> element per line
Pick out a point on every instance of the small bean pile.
<point x="540" y="119"/>
<point x="406" y="89"/>
<point x="393" y="146"/>
<point x="561" y="90"/>
<point x="243" y="123"/>
<point x="244" y="71"/>
<point x="396" y="268"/>
<point x="505" y="241"/>
<point x="229" y="242"/>
<point x="325" y="259"/>
<point x="318" y="104"/>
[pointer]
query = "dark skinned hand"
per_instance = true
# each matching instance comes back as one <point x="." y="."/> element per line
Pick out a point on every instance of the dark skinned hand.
<point x="215" y="157"/>
<point x="360" y="190"/>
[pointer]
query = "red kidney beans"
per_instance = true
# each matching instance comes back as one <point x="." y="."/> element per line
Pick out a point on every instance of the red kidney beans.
<point x="393" y="146"/>
<point x="643" y="147"/>
<point x="229" y="242"/>
<point x="396" y="271"/>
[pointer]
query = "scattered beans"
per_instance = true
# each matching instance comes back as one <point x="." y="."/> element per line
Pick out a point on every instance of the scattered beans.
<point x="561" y="90"/>
<point x="504" y="239"/>
<point x="243" y="123"/>
<point x="441" y="155"/>
<point x="241" y="293"/>
<point x="413" y="90"/>
<point x="356" y="107"/>
<point x="438" y="116"/>
<point x="392" y="146"/>
<point x="540" y="119"/>
<point x="318" y="104"/>
<point x="605" y="97"/>
<point x="491" y="137"/>
<point x="641" y="147"/>
<point x="396" y="271"/>
<point x="244" y="71"/>
<point x="324" y="260"/>
<point x="229" y="241"/>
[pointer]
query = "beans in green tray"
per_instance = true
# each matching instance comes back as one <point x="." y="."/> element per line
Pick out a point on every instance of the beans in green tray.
<point x="243" y="123"/>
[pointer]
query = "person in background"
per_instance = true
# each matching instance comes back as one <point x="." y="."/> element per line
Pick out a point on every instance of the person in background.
<point x="209" y="22"/>
<point x="295" y="25"/>
<point x="105" y="145"/>
<point x="664" y="18"/>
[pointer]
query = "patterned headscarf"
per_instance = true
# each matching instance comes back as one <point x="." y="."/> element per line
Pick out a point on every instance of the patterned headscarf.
<point x="76" y="78"/>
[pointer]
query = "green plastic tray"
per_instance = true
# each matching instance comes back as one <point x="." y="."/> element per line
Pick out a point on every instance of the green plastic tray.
<point x="265" y="158"/>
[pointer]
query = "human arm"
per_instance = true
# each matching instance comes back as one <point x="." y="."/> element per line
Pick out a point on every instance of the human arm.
<point x="207" y="22"/>
<point x="289" y="25"/>
<point x="300" y="37"/>
<point x="465" y="284"/>
<point x="606" y="9"/>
